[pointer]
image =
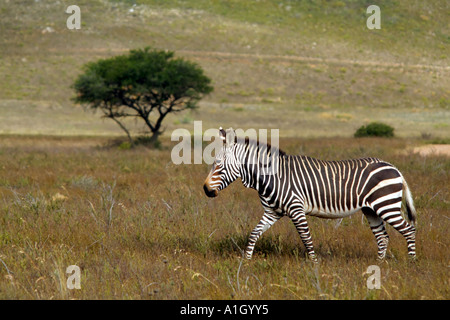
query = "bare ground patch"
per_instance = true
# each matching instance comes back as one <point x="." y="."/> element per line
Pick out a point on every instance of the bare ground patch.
<point x="433" y="150"/>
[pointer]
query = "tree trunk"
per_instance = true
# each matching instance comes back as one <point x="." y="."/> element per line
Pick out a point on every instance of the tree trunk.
<point x="156" y="129"/>
<point x="124" y="129"/>
<point x="154" y="138"/>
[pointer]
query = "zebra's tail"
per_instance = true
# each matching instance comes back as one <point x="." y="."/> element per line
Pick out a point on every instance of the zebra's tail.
<point x="410" y="209"/>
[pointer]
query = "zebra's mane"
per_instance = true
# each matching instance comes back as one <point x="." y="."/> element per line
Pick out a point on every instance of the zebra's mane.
<point x="261" y="145"/>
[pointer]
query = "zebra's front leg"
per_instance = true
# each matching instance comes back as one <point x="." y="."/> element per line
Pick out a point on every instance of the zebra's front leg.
<point x="268" y="219"/>
<point x="299" y="220"/>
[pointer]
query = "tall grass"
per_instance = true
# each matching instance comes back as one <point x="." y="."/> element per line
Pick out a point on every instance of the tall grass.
<point x="140" y="227"/>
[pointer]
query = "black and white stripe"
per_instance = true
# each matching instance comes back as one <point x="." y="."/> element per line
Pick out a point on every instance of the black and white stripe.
<point x="297" y="186"/>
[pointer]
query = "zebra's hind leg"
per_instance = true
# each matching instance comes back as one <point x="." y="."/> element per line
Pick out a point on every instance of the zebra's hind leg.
<point x="379" y="231"/>
<point x="395" y="219"/>
<point x="299" y="220"/>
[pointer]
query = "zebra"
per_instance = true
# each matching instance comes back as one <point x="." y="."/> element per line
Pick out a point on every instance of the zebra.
<point x="299" y="185"/>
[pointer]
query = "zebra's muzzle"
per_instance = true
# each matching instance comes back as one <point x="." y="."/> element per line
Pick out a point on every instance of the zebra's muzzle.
<point x="210" y="192"/>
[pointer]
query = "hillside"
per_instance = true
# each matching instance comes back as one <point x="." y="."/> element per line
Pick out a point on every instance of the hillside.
<point x="295" y="65"/>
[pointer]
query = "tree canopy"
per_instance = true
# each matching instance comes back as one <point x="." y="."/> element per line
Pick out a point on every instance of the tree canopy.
<point x="146" y="84"/>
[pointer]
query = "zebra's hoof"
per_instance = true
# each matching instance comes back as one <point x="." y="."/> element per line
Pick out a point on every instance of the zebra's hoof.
<point x="381" y="258"/>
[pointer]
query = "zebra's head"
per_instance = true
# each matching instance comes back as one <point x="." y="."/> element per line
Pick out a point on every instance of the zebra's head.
<point x="225" y="168"/>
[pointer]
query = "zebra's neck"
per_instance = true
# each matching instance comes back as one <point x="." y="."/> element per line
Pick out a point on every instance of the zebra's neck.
<point x="259" y="165"/>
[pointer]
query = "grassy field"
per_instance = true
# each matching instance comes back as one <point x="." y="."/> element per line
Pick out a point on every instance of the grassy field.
<point x="140" y="227"/>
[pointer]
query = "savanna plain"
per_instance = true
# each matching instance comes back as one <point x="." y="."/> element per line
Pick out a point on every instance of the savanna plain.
<point x="141" y="227"/>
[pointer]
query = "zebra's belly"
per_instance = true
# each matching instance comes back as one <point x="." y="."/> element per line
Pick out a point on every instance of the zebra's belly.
<point x="330" y="214"/>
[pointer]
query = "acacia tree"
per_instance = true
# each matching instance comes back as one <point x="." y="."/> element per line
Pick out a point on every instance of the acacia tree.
<point x="146" y="84"/>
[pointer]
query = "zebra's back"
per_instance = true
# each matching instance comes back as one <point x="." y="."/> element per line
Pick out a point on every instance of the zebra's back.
<point x="334" y="189"/>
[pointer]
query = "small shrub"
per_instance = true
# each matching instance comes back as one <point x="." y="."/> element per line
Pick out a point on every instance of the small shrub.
<point x="84" y="182"/>
<point x="125" y="145"/>
<point x="375" y="129"/>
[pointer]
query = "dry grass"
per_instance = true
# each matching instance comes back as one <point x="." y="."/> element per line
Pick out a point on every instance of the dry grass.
<point x="140" y="227"/>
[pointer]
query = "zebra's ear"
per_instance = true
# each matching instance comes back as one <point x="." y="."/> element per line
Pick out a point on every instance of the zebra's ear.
<point x="222" y="134"/>
<point x="230" y="137"/>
